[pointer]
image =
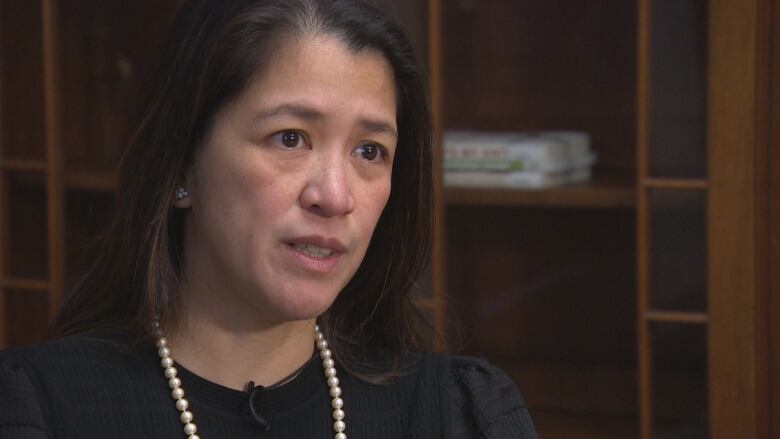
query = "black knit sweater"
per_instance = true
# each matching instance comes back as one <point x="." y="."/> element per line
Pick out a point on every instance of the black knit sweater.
<point x="103" y="386"/>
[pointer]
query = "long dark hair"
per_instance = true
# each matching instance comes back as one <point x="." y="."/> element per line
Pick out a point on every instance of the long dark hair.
<point x="213" y="50"/>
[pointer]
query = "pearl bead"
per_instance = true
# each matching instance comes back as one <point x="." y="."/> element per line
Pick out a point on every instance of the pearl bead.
<point x="166" y="362"/>
<point x="333" y="382"/>
<point x="170" y="372"/>
<point x="190" y="429"/>
<point x="193" y="436"/>
<point x="182" y="404"/>
<point x="174" y="383"/>
<point x="328" y="363"/>
<point x="339" y="426"/>
<point x="330" y="372"/>
<point x="325" y="354"/>
<point x="178" y="393"/>
<point x="161" y="342"/>
<point x="322" y="344"/>
<point x="338" y="414"/>
<point x="341" y="436"/>
<point x="186" y="417"/>
<point x="164" y="352"/>
<point x="337" y="403"/>
<point x="335" y="392"/>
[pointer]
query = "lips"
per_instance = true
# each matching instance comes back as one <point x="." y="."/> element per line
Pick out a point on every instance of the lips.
<point x="317" y="245"/>
<point x="315" y="254"/>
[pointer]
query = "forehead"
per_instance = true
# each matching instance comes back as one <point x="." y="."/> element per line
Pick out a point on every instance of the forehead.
<point x="324" y="71"/>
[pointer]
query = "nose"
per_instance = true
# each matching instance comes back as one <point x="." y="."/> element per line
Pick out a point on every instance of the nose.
<point x="328" y="191"/>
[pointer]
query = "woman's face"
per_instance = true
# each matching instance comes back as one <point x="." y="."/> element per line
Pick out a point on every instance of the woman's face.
<point x="291" y="181"/>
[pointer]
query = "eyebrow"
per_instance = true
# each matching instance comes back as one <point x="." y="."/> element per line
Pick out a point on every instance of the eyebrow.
<point x="310" y="114"/>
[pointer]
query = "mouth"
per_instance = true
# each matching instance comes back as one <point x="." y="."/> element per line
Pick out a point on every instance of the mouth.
<point x="315" y="246"/>
<point x="312" y="251"/>
<point x="316" y="254"/>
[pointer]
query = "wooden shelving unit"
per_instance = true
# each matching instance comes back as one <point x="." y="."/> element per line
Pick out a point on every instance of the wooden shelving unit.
<point x="59" y="146"/>
<point x="567" y="289"/>
<point x="606" y="302"/>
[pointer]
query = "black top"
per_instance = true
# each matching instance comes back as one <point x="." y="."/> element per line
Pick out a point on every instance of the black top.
<point x="103" y="386"/>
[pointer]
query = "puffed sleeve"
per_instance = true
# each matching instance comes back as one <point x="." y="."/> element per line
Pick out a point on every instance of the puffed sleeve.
<point x="485" y="403"/>
<point x="20" y="412"/>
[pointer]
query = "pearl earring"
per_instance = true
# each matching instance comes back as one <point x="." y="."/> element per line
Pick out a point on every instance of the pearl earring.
<point x="181" y="193"/>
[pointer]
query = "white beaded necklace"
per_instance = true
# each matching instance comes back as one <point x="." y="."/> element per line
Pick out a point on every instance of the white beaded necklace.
<point x="186" y="416"/>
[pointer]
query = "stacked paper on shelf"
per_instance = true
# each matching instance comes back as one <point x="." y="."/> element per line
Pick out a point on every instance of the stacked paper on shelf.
<point x="516" y="160"/>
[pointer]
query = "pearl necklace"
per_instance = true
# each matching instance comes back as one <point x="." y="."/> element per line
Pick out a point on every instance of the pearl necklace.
<point x="187" y="418"/>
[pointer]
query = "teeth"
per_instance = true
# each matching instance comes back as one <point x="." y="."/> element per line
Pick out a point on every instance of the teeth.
<point x="313" y="250"/>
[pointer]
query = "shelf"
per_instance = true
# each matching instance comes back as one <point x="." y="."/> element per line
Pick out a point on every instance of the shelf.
<point x="24" y="284"/>
<point x="675" y="183"/>
<point x="23" y="165"/>
<point x="98" y="181"/>
<point x="676" y="317"/>
<point x="610" y="191"/>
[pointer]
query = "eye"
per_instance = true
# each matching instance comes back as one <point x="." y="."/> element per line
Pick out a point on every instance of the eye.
<point x="289" y="138"/>
<point x="368" y="151"/>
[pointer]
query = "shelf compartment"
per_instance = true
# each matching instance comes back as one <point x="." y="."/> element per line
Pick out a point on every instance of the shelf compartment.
<point x="25" y="320"/>
<point x="678" y="242"/>
<point x="26" y="225"/>
<point x="99" y="181"/>
<point x="566" y="425"/>
<point x="22" y="125"/>
<point x="611" y="191"/>
<point x="679" y="374"/>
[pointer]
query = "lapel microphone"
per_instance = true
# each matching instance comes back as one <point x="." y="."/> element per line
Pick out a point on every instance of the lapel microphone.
<point x="257" y="417"/>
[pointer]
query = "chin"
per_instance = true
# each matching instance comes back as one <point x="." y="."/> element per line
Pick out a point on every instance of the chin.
<point x="304" y="306"/>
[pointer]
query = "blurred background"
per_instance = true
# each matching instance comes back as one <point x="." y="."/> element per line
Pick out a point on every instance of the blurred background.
<point x="636" y="295"/>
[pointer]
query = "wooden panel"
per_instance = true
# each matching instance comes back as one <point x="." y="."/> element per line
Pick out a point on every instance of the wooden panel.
<point x="774" y="197"/>
<point x="736" y="350"/>
<point x="644" y="354"/>
<point x="554" y="64"/>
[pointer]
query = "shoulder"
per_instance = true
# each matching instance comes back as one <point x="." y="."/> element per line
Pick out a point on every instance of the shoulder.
<point x="483" y="401"/>
<point x="70" y="352"/>
<point x="21" y="414"/>
<point x="31" y="377"/>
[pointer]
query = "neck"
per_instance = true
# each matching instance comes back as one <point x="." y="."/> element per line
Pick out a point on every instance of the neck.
<point x="233" y="355"/>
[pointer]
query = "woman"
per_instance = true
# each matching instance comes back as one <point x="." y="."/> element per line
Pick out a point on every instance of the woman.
<point x="273" y="215"/>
